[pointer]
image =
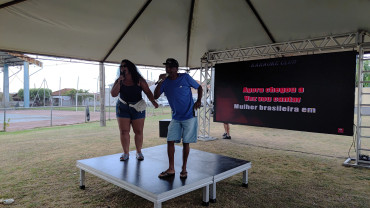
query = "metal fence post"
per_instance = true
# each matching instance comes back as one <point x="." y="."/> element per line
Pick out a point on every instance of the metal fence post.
<point x="109" y="103"/>
<point x="4" y="127"/>
<point x="51" y="114"/>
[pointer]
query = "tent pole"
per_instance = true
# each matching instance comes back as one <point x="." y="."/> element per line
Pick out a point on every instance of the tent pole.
<point x="102" y="94"/>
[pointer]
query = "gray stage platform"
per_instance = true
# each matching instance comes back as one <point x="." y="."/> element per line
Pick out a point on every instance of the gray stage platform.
<point x="141" y="177"/>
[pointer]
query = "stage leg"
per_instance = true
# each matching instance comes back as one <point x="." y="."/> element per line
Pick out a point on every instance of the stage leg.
<point x="157" y="204"/>
<point x="245" y="178"/>
<point x="212" y="192"/>
<point x="82" y="179"/>
<point x="206" y="196"/>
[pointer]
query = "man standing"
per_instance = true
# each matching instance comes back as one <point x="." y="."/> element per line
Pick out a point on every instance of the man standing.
<point x="226" y="135"/>
<point x="184" y="123"/>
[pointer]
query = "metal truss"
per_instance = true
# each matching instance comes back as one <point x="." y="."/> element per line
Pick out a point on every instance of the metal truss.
<point x="204" y="113"/>
<point x="363" y="126"/>
<point x="334" y="43"/>
<point x="340" y="42"/>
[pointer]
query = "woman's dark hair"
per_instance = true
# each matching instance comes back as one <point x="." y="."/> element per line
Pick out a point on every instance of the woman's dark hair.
<point x="133" y="70"/>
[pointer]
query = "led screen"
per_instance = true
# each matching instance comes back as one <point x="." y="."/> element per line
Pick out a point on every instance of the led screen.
<point x="312" y="93"/>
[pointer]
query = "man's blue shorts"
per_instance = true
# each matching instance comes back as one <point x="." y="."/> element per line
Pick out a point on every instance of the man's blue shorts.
<point x="125" y="111"/>
<point x="187" y="130"/>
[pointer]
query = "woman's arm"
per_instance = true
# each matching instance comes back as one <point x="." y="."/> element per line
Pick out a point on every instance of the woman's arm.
<point x="148" y="93"/>
<point x="116" y="86"/>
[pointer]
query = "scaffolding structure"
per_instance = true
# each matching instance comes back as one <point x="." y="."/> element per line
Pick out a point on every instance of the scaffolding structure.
<point x="359" y="41"/>
<point x="204" y="113"/>
<point x="363" y="126"/>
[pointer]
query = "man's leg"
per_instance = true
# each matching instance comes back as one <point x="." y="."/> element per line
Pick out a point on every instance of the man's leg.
<point x="171" y="161"/>
<point x="227" y="129"/>
<point x="185" y="155"/>
<point x="171" y="156"/>
<point x="174" y="132"/>
<point x="190" y="127"/>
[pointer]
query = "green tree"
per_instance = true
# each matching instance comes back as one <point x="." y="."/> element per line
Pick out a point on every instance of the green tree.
<point x="72" y="93"/>
<point x="365" y="75"/>
<point x="21" y="94"/>
<point x="37" y="93"/>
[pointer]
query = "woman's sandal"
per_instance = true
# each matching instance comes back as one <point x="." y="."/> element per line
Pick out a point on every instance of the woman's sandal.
<point x="183" y="174"/>
<point x="124" y="157"/>
<point x="165" y="174"/>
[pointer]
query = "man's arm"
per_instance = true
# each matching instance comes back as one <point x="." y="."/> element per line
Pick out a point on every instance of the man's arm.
<point x="198" y="103"/>
<point x="157" y="91"/>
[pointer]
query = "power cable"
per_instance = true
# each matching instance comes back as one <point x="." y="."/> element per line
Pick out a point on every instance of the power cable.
<point x="353" y="141"/>
<point x="15" y="72"/>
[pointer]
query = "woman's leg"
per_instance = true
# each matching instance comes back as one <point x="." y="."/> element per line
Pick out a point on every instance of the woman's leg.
<point x="124" y="129"/>
<point x="138" y="128"/>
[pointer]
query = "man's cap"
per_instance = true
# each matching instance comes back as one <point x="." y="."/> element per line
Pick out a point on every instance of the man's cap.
<point x="171" y="62"/>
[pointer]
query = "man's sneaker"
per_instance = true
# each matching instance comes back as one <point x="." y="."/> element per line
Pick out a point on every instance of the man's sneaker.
<point x="139" y="156"/>
<point x="224" y="136"/>
<point x="227" y="137"/>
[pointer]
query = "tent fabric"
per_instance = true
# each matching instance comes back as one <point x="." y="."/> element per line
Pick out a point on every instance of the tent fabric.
<point x="4" y="1"/>
<point x="89" y="29"/>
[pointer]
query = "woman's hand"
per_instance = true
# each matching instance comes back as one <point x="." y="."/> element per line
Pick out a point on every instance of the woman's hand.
<point x="117" y="86"/>
<point x="155" y="104"/>
<point x="148" y="93"/>
<point x="120" y="79"/>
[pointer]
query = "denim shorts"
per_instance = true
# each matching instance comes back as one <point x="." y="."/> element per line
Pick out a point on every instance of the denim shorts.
<point x="187" y="130"/>
<point x="125" y="111"/>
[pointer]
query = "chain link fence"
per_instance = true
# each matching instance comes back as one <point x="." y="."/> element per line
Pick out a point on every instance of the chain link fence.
<point x="14" y="118"/>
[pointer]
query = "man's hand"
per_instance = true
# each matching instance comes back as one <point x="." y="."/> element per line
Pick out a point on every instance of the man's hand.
<point x="162" y="77"/>
<point x="197" y="104"/>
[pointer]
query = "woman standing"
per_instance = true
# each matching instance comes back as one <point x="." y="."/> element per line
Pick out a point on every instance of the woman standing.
<point x="129" y="86"/>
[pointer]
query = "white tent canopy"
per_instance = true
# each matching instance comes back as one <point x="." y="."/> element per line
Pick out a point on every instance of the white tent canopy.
<point x="149" y="31"/>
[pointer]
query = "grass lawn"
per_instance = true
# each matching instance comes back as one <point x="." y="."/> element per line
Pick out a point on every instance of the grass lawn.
<point x="289" y="168"/>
